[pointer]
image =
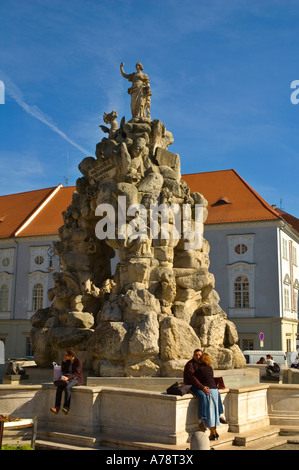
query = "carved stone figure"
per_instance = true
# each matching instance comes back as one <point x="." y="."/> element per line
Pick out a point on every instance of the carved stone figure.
<point x="140" y="91"/>
<point x="15" y="368"/>
<point x="110" y="119"/>
<point x="159" y="304"/>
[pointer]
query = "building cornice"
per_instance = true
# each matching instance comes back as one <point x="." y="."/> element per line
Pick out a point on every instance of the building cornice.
<point x="290" y="231"/>
<point x="11" y="242"/>
<point x="242" y="225"/>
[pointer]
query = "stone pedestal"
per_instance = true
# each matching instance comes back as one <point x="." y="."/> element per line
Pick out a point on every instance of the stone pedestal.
<point x="14" y="379"/>
<point x="113" y="414"/>
<point x="200" y="441"/>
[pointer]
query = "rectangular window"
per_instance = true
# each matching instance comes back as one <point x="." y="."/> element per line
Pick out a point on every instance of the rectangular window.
<point x="286" y="292"/>
<point x="247" y="344"/>
<point x="29" y="350"/>
<point x="295" y="256"/>
<point x="295" y="300"/>
<point x="241" y="292"/>
<point x="4" y="296"/>
<point x="285" y="248"/>
<point x="37" y="297"/>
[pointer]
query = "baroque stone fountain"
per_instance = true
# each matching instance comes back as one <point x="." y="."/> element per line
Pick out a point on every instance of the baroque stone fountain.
<point x="147" y="317"/>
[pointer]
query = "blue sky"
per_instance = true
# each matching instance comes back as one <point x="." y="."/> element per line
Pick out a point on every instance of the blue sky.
<point x="220" y="73"/>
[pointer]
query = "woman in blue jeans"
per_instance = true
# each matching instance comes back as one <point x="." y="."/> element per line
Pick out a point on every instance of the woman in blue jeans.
<point x="199" y="373"/>
<point x="71" y="368"/>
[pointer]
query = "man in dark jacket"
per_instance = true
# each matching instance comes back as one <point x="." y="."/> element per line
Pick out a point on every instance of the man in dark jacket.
<point x="198" y="389"/>
<point x="72" y="375"/>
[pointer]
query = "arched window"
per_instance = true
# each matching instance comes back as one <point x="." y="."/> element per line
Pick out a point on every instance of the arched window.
<point x="37" y="297"/>
<point x="4" y="293"/>
<point x="241" y="292"/>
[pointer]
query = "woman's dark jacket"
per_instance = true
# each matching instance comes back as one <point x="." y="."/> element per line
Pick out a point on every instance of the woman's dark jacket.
<point x="73" y="370"/>
<point x="200" y="375"/>
<point x="206" y="376"/>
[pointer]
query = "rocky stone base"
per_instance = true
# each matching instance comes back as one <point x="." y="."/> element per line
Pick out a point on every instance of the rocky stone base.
<point x="160" y="305"/>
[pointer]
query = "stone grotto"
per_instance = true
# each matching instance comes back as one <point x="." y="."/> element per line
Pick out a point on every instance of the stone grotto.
<point x="146" y="316"/>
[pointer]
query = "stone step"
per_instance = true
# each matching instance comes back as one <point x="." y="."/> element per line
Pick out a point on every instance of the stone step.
<point x="261" y="439"/>
<point x="121" y="444"/>
<point x="67" y="439"/>
<point x="246" y="438"/>
<point x="51" y="445"/>
<point x="289" y="430"/>
<point x="226" y="439"/>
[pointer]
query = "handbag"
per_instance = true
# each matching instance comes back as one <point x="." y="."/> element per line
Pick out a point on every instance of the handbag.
<point x="178" y="389"/>
<point x="56" y="372"/>
<point x="219" y="383"/>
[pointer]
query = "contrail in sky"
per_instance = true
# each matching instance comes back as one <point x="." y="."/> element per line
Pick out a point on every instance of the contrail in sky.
<point x="12" y="90"/>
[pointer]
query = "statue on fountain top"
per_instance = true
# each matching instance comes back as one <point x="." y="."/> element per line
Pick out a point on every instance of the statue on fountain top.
<point x="140" y="92"/>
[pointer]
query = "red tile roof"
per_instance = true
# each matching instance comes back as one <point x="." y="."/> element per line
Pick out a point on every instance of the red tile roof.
<point x="290" y="219"/>
<point x="50" y="219"/>
<point x="230" y="198"/>
<point x="17" y="209"/>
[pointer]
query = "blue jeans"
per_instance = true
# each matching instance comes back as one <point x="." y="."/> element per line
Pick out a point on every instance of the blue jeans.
<point x="202" y="402"/>
<point x="67" y="397"/>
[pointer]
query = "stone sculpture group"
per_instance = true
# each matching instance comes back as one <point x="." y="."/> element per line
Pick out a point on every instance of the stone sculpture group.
<point x="147" y="317"/>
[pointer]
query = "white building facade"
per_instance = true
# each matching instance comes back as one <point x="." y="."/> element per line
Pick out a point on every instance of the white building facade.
<point x="254" y="257"/>
<point x="29" y="224"/>
<point x="256" y="272"/>
<point x="26" y="268"/>
<point x="254" y="254"/>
